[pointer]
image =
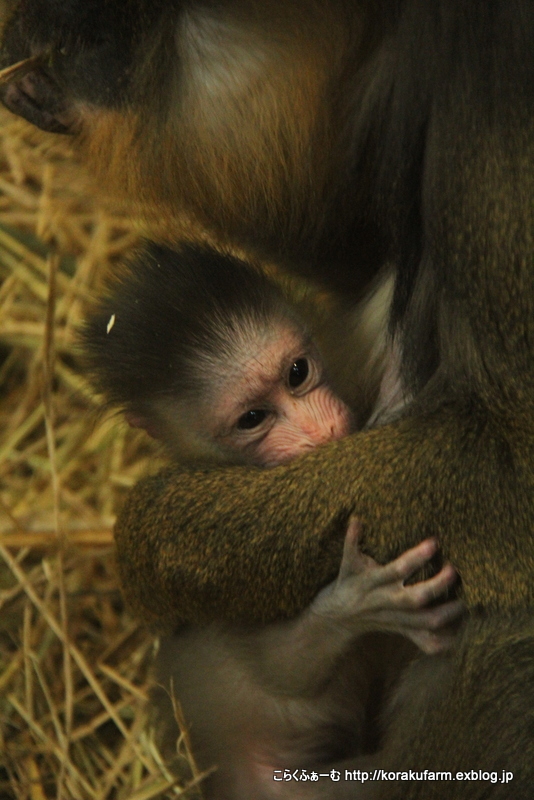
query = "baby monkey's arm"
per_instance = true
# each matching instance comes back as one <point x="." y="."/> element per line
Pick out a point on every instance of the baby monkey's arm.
<point x="298" y="656"/>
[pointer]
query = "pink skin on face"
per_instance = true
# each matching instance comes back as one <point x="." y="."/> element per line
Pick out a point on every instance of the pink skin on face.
<point x="277" y="404"/>
<point x="302" y="423"/>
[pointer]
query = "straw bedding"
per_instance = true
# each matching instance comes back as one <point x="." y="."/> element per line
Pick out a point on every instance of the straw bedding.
<point x="74" y="666"/>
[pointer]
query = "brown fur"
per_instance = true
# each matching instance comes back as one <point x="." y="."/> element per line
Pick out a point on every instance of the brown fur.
<point x="475" y="686"/>
<point x="378" y="132"/>
<point x="250" y="155"/>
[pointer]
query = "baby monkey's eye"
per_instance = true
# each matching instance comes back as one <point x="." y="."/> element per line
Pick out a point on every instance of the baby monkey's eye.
<point x="251" y="419"/>
<point x="298" y="372"/>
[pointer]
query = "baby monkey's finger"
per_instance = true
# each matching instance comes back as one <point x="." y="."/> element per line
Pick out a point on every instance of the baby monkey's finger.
<point x="409" y="562"/>
<point x="353" y="560"/>
<point x="421" y="594"/>
<point x="433" y="643"/>
<point x="436" y="617"/>
<point x="434" y="630"/>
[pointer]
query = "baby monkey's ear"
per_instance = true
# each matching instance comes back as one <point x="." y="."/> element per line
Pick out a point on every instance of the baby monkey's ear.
<point x="149" y="426"/>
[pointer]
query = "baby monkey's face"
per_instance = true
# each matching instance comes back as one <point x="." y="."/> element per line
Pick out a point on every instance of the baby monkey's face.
<point x="275" y="405"/>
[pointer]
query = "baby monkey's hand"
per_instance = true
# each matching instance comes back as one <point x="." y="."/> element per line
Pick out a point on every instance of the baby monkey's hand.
<point x="369" y="597"/>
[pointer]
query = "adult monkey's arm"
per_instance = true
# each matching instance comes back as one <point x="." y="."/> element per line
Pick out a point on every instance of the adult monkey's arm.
<point x="412" y="143"/>
<point x="249" y="544"/>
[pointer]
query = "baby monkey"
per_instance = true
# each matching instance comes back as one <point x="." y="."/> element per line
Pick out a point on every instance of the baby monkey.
<point x="206" y="354"/>
<point x="211" y="356"/>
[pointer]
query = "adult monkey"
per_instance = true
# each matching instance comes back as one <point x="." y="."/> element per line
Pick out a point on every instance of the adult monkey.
<point x="335" y="137"/>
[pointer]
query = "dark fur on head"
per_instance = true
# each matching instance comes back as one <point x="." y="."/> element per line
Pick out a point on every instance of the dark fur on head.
<point x="174" y="312"/>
